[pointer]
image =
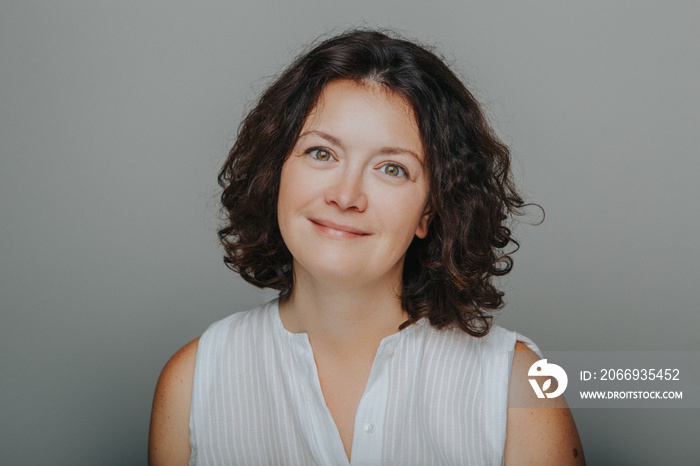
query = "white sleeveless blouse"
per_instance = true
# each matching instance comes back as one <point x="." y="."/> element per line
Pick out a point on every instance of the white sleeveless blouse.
<point x="433" y="397"/>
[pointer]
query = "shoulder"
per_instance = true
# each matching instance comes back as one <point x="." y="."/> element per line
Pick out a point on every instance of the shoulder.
<point x="496" y="345"/>
<point x="179" y="369"/>
<point x="492" y="353"/>
<point x="169" y="437"/>
<point x="239" y="333"/>
<point x="538" y="431"/>
<point x="261" y="317"/>
<point x="168" y="441"/>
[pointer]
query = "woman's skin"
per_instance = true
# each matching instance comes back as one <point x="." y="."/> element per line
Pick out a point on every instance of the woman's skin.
<point x="353" y="194"/>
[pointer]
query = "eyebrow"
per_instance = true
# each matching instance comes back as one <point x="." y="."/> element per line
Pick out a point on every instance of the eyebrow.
<point x="395" y="150"/>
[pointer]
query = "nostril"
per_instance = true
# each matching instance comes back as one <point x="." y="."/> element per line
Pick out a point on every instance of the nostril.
<point x="348" y="194"/>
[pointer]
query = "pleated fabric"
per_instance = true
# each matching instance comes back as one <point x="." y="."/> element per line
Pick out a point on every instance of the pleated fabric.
<point x="434" y="397"/>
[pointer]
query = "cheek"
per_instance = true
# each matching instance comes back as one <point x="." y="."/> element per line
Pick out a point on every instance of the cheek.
<point x="402" y="218"/>
<point x="295" y="193"/>
<point x="290" y="187"/>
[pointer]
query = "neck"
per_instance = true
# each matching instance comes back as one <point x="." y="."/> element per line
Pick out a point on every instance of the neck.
<point x="340" y="316"/>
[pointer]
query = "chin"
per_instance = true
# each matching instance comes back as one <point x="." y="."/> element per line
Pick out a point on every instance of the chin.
<point x="349" y="270"/>
<point x="339" y="268"/>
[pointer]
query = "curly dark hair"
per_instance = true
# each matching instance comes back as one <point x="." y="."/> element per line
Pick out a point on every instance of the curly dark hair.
<point x="448" y="275"/>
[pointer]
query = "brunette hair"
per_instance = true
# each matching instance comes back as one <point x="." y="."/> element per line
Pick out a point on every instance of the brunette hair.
<point x="447" y="276"/>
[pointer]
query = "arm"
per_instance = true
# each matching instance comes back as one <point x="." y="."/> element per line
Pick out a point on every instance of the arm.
<point x="544" y="432"/>
<point x="169" y="436"/>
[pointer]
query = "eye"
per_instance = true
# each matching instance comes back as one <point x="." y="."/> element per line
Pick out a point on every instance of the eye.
<point x="393" y="169"/>
<point x="320" y="153"/>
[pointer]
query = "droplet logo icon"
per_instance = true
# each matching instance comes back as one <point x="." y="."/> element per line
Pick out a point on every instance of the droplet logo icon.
<point x="542" y="368"/>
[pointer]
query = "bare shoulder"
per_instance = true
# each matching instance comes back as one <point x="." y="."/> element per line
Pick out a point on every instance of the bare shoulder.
<point x="169" y="436"/>
<point x="538" y="431"/>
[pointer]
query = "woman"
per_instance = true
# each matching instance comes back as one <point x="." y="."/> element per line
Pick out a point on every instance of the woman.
<point x="366" y="187"/>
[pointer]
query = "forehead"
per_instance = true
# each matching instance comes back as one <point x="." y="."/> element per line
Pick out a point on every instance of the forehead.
<point x="367" y="111"/>
<point x="364" y="92"/>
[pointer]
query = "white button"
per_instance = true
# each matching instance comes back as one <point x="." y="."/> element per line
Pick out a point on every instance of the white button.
<point x="369" y="428"/>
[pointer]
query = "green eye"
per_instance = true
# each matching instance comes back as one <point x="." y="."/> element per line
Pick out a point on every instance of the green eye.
<point x="320" y="154"/>
<point x="393" y="169"/>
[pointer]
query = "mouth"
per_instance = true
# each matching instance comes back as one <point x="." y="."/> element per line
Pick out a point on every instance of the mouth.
<point x="337" y="230"/>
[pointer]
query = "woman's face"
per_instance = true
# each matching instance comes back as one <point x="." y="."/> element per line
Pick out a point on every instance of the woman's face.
<point x="354" y="191"/>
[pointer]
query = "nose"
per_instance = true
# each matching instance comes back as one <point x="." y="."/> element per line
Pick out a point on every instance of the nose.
<point x="347" y="192"/>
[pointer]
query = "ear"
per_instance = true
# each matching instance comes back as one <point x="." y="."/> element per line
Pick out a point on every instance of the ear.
<point x="424" y="223"/>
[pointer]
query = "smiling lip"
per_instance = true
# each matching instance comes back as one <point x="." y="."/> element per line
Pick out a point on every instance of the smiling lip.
<point x="337" y="230"/>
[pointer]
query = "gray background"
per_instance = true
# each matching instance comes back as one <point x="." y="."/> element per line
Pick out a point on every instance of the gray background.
<point x="114" y="119"/>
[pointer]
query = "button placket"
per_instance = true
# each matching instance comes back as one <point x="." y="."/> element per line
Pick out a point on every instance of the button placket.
<point x="367" y="444"/>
